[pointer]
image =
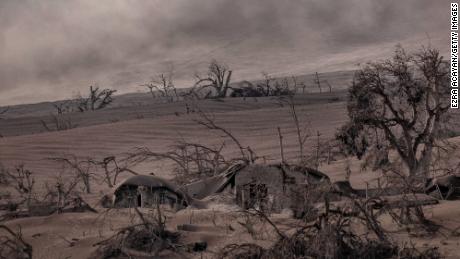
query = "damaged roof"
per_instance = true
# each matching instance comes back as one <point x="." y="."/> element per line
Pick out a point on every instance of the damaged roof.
<point x="147" y="181"/>
<point x="215" y="184"/>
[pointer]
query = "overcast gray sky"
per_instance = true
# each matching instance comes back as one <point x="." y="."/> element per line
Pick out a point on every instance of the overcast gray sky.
<point x="53" y="49"/>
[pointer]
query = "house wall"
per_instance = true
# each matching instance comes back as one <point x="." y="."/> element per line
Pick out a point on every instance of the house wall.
<point x="125" y="197"/>
<point x="151" y="196"/>
<point x="269" y="177"/>
<point x="282" y="187"/>
<point x="141" y="196"/>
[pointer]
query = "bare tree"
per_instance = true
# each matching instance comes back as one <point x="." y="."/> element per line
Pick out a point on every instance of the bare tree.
<point x="96" y="100"/>
<point x="317" y="152"/>
<point x="247" y="154"/>
<point x="192" y="160"/>
<point x="4" y="111"/>
<point x="163" y="84"/>
<point x="283" y="88"/>
<point x="61" y="119"/>
<point x="302" y="131"/>
<point x="112" y="168"/>
<point x="62" y="190"/>
<point x="328" y="85"/>
<point x="59" y="122"/>
<point x="80" y="168"/>
<point x="266" y="86"/>
<point x="295" y="84"/>
<point x="22" y="181"/>
<point x="217" y="78"/>
<point x="303" y="86"/>
<point x="151" y="89"/>
<point x="318" y="82"/>
<point x="63" y="107"/>
<point x="145" y="238"/>
<point x="191" y="94"/>
<point x="399" y="104"/>
<point x="206" y="160"/>
<point x="283" y="160"/>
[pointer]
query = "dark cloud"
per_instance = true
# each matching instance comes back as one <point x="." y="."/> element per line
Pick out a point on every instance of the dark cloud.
<point x="52" y="49"/>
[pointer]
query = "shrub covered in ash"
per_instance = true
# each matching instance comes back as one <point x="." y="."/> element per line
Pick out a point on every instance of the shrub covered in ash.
<point x="147" y="239"/>
<point x="332" y="233"/>
<point x="328" y="238"/>
<point x="12" y="246"/>
<point x="141" y="240"/>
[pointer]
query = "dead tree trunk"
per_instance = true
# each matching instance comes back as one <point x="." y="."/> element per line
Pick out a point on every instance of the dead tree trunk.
<point x="318" y="82"/>
<point x="281" y="145"/>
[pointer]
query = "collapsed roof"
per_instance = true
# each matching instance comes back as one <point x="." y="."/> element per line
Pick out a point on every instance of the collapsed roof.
<point x="216" y="184"/>
<point x="201" y="189"/>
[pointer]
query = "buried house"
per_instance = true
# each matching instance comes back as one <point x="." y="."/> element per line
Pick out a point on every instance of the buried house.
<point x="270" y="188"/>
<point x="274" y="187"/>
<point x="265" y="187"/>
<point x="147" y="191"/>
